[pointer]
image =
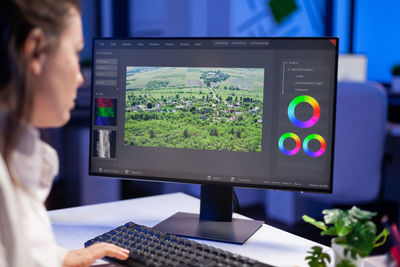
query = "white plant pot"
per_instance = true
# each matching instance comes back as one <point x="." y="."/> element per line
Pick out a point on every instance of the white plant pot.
<point x="338" y="255"/>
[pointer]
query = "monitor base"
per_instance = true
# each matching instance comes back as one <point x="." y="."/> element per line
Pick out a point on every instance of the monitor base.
<point x="189" y="225"/>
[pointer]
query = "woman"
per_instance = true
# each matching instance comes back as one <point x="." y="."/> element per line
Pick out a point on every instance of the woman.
<point x="39" y="77"/>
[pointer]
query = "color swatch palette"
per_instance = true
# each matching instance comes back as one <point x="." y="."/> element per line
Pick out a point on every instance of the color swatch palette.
<point x="105" y="109"/>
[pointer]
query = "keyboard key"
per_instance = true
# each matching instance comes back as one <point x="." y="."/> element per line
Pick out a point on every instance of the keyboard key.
<point x="150" y="247"/>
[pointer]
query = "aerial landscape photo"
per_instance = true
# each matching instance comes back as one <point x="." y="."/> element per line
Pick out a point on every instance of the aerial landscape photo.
<point x="194" y="108"/>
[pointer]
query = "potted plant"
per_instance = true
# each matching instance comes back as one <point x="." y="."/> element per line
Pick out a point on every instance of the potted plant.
<point x="396" y="78"/>
<point x="355" y="234"/>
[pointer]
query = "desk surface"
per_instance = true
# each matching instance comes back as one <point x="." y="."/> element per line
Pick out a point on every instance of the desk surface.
<point x="74" y="226"/>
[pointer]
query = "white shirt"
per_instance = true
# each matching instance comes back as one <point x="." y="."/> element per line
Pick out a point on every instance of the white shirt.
<point x="35" y="164"/>
<point x="12" y="243"/>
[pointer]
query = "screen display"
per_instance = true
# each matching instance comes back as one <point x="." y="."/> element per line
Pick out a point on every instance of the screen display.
<point x="249" y="112"/>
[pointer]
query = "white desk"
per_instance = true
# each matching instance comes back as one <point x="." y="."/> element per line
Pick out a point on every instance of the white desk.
<point x="74" y="226"/>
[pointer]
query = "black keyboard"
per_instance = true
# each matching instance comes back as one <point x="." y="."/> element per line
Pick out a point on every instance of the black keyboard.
<point x="150" y="247"/>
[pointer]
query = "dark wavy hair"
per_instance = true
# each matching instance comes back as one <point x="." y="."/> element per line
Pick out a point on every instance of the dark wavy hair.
<point x="17" y="19"/>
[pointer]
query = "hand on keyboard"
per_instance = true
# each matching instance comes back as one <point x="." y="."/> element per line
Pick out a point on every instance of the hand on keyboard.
<point x="150" y="247"/>
<point x="86" y="256"/>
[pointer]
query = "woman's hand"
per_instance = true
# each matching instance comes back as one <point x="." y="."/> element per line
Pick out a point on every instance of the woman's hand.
<point x="85" y="257"/>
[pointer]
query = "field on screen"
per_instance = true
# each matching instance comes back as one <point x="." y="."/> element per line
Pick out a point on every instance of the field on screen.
<point x="194" y="108"/>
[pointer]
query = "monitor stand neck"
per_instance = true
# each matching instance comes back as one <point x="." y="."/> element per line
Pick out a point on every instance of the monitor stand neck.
<point x="216" y="203"/>
<point x="215" y="220"/>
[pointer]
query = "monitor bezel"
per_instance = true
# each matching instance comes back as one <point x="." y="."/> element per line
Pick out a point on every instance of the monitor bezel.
<point x="188" y="180"/>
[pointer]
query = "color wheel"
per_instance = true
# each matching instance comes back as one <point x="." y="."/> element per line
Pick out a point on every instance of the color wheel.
<point x="296" y="149"/>
<point x="320" y="139"/>
<point x="314" y="104"/>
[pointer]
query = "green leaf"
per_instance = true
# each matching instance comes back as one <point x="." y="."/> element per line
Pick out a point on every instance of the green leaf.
<point x="316" y="250"/>
<point x="314" y="222"/>
<point x="346" y="251"/>
<point x="344" y="226"/>
<point x="316" y="264"/>
<point x="326" y="257"/>
<point x="330" y="231"/>
<point x="384" y="234"/>
<point x="345" y="263"/>
<point x="317" y="257"/>
<point x="368" y="231"/>
<point x="362" y="239"/>
<point x="341" y="240"/>
<point x="353" y="254"/>
<point x="361" y="214"/>
<point x="331" y="216"/>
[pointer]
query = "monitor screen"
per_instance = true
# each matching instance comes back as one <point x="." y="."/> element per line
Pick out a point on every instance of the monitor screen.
<point x="247" y="112"/>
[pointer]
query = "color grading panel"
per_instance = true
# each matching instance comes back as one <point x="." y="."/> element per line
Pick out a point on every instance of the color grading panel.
<point x="303" y="127"/>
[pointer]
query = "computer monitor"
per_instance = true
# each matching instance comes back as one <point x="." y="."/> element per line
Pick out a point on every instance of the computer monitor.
<point x="220" y="112"/>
